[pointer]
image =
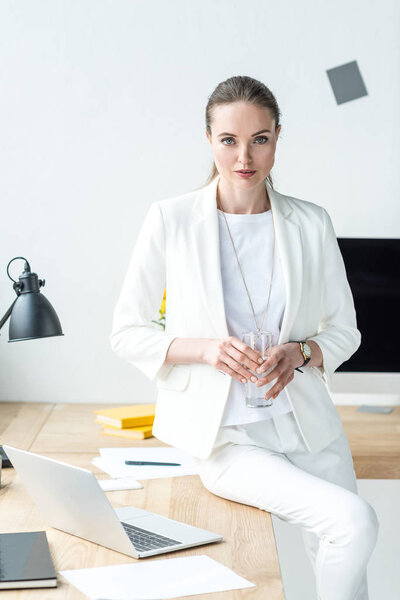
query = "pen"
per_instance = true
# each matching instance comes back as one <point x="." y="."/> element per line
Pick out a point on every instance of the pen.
<point x="144" y="462"/>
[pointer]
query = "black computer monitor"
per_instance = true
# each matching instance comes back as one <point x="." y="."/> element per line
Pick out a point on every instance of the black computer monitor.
<point x="373" y="272"/>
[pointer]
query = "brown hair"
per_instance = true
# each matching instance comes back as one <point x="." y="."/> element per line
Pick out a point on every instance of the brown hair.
<point x="241" y="88"/>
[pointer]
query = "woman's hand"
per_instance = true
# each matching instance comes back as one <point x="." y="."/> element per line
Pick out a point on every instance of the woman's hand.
<point x="232" y="356"/>
<point x="282" y="360"/>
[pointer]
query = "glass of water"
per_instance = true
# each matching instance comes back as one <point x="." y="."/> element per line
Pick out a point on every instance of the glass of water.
<point x="260" y="341"/>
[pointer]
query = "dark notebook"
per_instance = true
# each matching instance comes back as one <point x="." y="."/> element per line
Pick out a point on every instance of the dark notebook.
<point x="25" y="561"/>
<point x="6" y="462"/>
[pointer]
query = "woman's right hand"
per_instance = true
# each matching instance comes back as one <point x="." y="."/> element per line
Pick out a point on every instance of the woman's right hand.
<point x="232" y="356"/>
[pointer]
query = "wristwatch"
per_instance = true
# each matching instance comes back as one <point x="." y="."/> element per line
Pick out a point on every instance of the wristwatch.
<point x="306" y="352"/>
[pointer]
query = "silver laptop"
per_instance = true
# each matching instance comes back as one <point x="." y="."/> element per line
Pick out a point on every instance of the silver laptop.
<point x="71" y="499"/>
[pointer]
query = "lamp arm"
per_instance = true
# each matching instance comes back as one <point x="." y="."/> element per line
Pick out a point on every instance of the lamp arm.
<point x="17" y="289"/>
<point x="8" y="313"/>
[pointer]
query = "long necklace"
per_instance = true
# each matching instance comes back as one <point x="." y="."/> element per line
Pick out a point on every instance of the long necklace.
<point x="272" y="268"/>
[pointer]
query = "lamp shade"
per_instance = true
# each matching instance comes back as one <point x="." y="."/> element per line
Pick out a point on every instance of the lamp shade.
<point x="31" y="315"/>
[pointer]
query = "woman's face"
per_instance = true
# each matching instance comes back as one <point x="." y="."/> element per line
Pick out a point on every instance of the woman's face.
<point x="241" y="149"/>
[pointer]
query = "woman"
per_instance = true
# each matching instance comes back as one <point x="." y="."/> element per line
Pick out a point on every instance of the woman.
<point x="236" y="256"/>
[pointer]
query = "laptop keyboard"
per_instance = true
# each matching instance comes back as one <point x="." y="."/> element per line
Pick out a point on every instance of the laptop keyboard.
<point x="143" y="540"/>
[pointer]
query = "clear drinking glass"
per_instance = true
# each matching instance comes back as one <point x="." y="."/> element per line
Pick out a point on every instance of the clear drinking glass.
<point x="261" y="341"/>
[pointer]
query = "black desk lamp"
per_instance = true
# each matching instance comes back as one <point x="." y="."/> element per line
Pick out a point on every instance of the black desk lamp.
<point x="32" y="315"/>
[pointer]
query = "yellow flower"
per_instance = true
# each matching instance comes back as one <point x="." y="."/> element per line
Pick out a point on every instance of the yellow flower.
<point x="162" y="309"/>
<point x="161" y="318"/>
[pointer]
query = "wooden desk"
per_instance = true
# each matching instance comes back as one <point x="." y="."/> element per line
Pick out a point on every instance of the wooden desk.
<point x="374" y="442"/>
<point x="68" y="433"/>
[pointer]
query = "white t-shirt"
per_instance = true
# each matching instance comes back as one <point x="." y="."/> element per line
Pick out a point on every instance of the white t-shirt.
<point x="253" y="237"/>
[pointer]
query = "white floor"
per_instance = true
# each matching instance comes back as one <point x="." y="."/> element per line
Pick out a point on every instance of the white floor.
<point x="384" y="565"/>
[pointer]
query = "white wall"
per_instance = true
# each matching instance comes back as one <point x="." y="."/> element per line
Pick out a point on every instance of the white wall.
<point x="102" y="112"/>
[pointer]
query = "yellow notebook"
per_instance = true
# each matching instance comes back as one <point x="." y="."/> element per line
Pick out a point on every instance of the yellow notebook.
<point x="122" y="417"/>
<point x="136" y="433"/>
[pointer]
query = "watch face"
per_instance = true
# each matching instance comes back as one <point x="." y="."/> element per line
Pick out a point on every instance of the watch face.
<point x="307" y="350"/>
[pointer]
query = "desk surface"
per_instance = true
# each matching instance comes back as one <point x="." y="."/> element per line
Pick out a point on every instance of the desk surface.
<point x="68" y="433"/>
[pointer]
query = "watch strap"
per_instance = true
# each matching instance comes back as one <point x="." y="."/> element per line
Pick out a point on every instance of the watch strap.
<point x="306" y="358"/>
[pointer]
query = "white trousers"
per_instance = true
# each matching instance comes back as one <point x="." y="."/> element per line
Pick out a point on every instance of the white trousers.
<point x="267" y="465"/>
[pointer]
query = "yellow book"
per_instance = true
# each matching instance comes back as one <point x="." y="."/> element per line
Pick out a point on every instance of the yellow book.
<point x="136" y="433"/>
<point x="122" y="417"/>
<point x="101" y="421"/>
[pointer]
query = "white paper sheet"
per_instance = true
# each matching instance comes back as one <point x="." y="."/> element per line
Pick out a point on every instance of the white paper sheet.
<point x="124" y="483"/>
<point x="111" y="467"/>
<point x="155" y="580"/>
<point x="112" y="461"/>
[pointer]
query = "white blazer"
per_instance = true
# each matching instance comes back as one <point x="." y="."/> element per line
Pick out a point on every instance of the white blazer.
<point x="178" y="249"/>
